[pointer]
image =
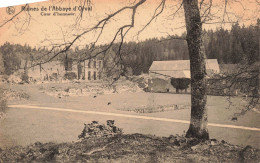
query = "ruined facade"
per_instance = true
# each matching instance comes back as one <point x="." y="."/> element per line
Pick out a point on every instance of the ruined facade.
<point x="87" y="70"/>
<point x="92" y="69"/>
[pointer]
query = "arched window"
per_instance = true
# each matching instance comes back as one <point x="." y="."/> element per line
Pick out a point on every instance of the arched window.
<point x="95" y="75"/>
<point x="99" y="65"/>
<point x="99" y="75"/>
<point x="89" y="75"/>
<point x="95" y="64"/>
<point x="89" y="64"/>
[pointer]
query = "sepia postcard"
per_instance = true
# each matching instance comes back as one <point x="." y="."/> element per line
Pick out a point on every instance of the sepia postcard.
<point x="130" y="81"/>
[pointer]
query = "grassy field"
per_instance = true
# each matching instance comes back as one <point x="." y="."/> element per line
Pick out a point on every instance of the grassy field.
<point x="26" y="126"/>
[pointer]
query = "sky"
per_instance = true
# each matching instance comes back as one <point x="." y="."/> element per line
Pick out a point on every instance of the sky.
<point x="40" y="27"/>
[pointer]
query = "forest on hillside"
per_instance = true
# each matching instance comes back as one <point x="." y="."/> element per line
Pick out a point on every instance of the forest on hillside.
<point x="238" y="45"/>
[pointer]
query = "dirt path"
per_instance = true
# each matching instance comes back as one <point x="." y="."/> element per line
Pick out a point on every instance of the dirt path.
<point x="130" y="116"/>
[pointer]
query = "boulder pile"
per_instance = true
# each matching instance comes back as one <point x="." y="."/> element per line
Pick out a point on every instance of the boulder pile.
<point x="96" y="130"/>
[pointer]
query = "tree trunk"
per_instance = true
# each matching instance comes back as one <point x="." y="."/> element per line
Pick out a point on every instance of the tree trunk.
<point x="199" y="119"/>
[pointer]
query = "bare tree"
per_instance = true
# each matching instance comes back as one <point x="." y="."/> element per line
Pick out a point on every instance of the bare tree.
<point x="199" y="114"/>
<point x="244" y="81"/>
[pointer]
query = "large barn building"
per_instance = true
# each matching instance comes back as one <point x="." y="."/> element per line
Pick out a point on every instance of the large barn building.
<point x="179" y="68"/>
<point x="162" y="72"/>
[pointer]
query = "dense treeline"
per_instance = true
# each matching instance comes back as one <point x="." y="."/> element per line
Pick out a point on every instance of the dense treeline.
<point x="241" y="44"/>
<point x="15" y="56"/>
<point x="139" y="56"/>
<point x="238" y="45"/>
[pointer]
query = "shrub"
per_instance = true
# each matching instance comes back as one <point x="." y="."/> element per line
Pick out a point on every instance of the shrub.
<point x="54" y="76"/>
<point x="96" y="130"/>
<point x="70" y="76"/>
<point x="3" y="103"/>
<point x="180" y="83"/>
<point x="25" y="77"/>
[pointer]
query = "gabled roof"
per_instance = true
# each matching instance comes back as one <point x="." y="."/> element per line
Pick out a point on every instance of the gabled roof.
<point x="181" y="68"/>
<point x="175" y="65"/>
<point x="172" y="74"/>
